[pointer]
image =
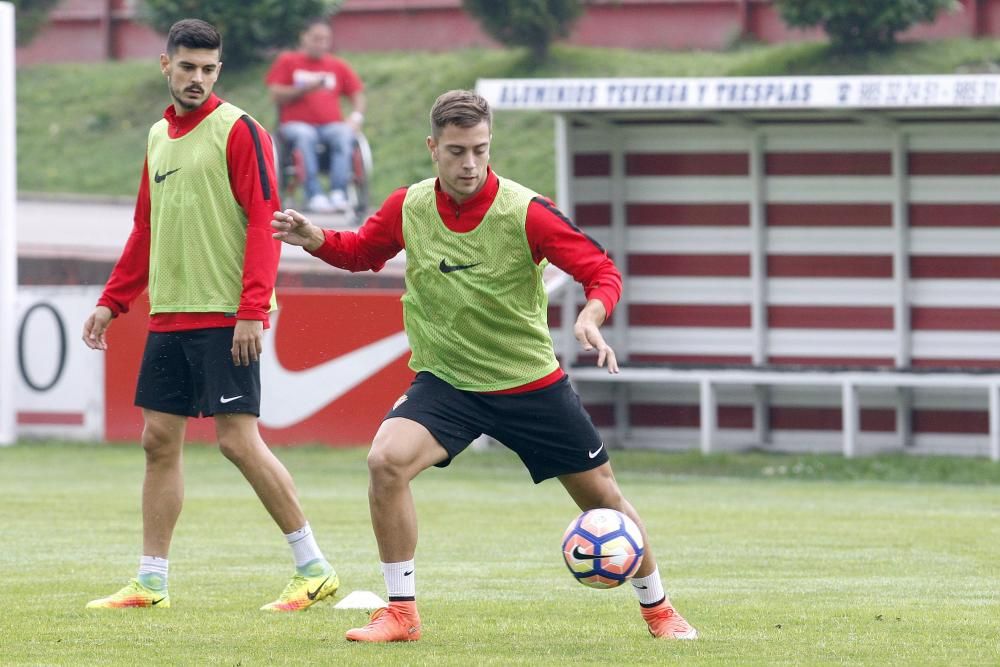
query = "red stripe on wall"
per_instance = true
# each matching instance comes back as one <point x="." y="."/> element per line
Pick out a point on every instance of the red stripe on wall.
<point x="954" y="267"/>
<point x="593" y="215"/>
<point x="601" y="414"/>
<point x="689" y="265"/>
<point x="788" y="418"/>
<point x="828" y="164"/>
<point x="699" y="359"/>
<point x="829" y="419"/>
<point x="656" y="315"/>
<point x="955" y="319"/>
<point x="831" y="361"/>
<point x="949" y="163"/>
<point x="714" y="215"/>
<point x="829" y="215"/>
<point x="955" y="215"/>
<point x="591" y="164"/>
<point x="951" y="421"/>
<point x="970" y="364"/>
<point x="833" y="317"/>
<point x="829" y="266"/>
<point x="676" y="415"/>
<point x="51" y="418"/>
<point x="687" y="164"/>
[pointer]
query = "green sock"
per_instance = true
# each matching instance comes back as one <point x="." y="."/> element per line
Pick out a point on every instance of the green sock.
<point x="314" y="568"/>
<point x="153" y="581"/>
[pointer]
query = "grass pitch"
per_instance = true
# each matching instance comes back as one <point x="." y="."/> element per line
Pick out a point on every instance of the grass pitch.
<point x="824" y="570"/>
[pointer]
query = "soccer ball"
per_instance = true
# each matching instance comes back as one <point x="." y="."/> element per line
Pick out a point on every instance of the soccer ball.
<point x="602" y="548"/>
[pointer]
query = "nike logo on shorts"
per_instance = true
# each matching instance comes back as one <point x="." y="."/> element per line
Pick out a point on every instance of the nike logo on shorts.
<point x="230" y="399"/>
<point x="597" y="451"/>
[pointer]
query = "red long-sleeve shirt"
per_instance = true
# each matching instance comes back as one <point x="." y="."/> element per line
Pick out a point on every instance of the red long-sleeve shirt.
<point x="551" y="235"/>
<point x="258" y="198"/>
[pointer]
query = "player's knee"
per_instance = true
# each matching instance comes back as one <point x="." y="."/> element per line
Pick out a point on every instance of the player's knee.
<point x="386" y="465"/>
<point x="233" y="448"/>
<point x="159" y="442"/>
<point x="382" y="466"/>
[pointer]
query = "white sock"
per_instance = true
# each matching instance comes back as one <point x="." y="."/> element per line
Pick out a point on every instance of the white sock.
<point x="649" y="589"/>
<point x="304" y="547"/>
<point x="399" y="580"/>
<point x="153" y="572"/>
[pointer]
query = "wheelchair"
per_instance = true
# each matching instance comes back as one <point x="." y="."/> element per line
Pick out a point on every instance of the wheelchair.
<point x="291" y="173"/>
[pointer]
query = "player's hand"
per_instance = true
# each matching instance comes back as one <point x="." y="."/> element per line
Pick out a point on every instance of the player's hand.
<point x="96" y="327"/>
<point x="588" y="331"/>
<point x="248" y="341"/>
<point x="295" y="229"/>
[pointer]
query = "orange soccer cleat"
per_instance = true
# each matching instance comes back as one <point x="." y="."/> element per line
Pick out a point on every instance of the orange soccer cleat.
<point x="664" y="621"/>
<point x="399" y="622"/>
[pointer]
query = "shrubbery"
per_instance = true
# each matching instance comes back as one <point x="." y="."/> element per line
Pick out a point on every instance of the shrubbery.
<point x="531" y="23"/>
<point x="251" y="29"/>
<point x="29" y="16"/>
<point x="853" y="25"/>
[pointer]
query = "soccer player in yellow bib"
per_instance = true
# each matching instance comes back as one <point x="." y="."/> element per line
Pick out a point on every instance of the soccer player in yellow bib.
<point x="475" y="315"/>
<point x="202" y="244"/>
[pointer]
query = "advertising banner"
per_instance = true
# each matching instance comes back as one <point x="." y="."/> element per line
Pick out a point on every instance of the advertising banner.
<point x="334" y="362"/>
<point x="59" y="385"/>
<point x="770" y="92"/>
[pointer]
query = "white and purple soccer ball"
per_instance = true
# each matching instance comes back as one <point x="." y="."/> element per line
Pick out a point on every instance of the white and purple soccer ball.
<point x="602" y="548"/>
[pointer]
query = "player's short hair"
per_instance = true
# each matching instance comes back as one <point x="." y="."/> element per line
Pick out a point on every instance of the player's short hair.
<point x="463" y="108"/>
<point x="193" y="34"/>
<point x="313" y="22"/>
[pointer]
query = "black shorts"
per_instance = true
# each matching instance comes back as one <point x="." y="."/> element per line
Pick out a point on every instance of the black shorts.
<point x="547" y="428"/>
<point x="191" y="373"/>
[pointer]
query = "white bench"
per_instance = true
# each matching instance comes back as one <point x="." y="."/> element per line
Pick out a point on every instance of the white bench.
<point x="849" y="382"/>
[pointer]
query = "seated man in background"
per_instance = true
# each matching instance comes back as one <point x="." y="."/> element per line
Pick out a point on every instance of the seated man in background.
<point x="307" y="85"/>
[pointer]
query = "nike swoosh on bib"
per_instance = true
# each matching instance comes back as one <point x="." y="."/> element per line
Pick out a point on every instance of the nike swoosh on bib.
<point x="448" y="268"/>
<point x="159" y="178"/>
<point x="289" y="397"/>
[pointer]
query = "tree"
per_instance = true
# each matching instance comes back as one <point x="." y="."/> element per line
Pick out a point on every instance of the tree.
<point x="251" y="29"/>
<point x="853" y="25"/>
<point x="29" y="17"/>
<point x="531" y="23"/>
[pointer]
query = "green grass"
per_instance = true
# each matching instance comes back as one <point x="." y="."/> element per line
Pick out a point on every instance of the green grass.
<point x="82" y="127"/>
<point x="771" y="571"/>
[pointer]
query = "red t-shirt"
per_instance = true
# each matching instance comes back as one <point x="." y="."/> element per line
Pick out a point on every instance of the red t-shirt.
<point x="320" y="106"/>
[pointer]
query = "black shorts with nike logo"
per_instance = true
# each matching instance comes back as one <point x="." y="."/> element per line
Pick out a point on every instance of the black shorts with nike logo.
<point x="547" y="428"/>
<point x="191" y="373"/>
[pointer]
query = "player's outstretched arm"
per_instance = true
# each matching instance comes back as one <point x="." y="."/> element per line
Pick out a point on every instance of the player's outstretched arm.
<point x="96" y="327"/>
<point x="588" y="331"/>
<point x="293" y="228"/>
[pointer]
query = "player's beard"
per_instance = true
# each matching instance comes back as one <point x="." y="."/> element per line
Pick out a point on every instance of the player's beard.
<point x="184" y="103"/>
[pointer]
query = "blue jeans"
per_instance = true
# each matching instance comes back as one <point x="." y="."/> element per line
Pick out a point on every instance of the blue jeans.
<point x="339" y="141"/>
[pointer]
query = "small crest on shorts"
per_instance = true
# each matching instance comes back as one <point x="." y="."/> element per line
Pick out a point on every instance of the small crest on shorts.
<point x="399" y="401"/>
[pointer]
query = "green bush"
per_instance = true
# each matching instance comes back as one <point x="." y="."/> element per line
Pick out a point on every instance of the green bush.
<point x="29" y="17"/>
<point x="531" y="23"/>
<point x="853" y="25"/>
<point x="251" y="30"/>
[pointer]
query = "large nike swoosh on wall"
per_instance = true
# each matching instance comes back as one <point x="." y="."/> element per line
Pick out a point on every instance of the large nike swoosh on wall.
<point x="289" y="397"/>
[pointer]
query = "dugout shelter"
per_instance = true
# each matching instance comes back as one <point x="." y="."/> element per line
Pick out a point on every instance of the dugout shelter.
<point x="809" y="262"/>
